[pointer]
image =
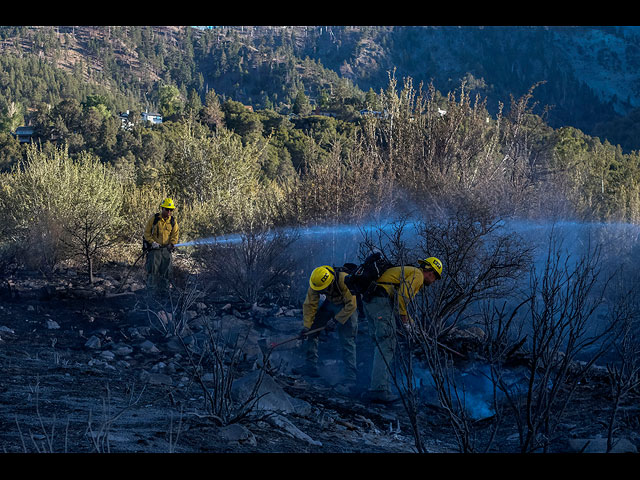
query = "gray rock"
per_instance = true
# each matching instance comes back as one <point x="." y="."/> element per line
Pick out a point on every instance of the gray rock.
<point x="93" y="342"/>
<point x="281" y="422"/>
<point x="257" y="311"/>
<point x="122" y="350"/>
<point x="158" y="366"/>
<point x="156" y="378"/>
<point x="274" y="398"/>
<point x="52" y="325"/>
<point x="237" y="433"/>
<point x="302" y="407"/>
<point x="149" y="347"/>
<point x="107" y="355"/>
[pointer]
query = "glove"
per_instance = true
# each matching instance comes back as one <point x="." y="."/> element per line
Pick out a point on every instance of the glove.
<point x="155" y="245"/>
<point x="330" y="326"/>
<point x="304" y="332"/>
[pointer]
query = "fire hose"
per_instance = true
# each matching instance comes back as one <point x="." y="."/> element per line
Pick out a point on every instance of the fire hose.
<point x="144" y="251"/>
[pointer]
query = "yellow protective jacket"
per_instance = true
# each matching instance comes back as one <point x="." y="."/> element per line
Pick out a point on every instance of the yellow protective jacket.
<point x="162" y="233"/>
<point x="337" y="293"/>
<point x="406" y="281"/>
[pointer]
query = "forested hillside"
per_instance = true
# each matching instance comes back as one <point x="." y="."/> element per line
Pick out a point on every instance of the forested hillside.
<point x="267" y="126"/>
<point x="589" y="73"/>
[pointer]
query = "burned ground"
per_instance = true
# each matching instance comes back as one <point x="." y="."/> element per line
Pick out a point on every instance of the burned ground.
<point x="84" y="370"/>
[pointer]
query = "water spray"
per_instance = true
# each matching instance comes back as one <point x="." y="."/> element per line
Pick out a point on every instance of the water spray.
<point x="236" y="238"/>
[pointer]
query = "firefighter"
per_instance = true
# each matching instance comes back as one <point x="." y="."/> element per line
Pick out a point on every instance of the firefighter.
<point x="160" y="235"/>
<point x="394" y="289"/>
<point x="338" y="306"/>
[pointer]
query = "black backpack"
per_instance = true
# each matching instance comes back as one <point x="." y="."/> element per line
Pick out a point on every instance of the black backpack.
<point x="361" y="280"/>
<point x="146" y="245"/>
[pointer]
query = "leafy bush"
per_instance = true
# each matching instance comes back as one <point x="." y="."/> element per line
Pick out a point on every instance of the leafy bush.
<point x="63" y="208"/>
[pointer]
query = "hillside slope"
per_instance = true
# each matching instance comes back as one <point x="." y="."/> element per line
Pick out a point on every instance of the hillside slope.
<point x="588" y="75"/>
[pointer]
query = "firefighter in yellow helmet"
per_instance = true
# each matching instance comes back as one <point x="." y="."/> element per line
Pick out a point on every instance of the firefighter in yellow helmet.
<point x="339" y="306"/>
<point x="395" y="288"/>
<point x="160" y="236"/>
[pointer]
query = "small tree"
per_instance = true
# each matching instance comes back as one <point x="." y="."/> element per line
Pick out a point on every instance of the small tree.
<point x="624" y="371"/>
<point x="258" y="263"/>
<point x="93" y="222"/>
<point x="564" y="299"/>
<point x="71" y="206"/>
<point x="301" y="104"/>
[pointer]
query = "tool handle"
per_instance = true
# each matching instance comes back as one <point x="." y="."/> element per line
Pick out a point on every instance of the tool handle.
<point x="297" y="337"/>
<point x="315" y="330"/>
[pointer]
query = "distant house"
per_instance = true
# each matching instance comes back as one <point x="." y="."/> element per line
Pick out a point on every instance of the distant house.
<point x="24" y="134"/>
<point x="124" y="120"/>
<point x="373" y="113"/>
<point x="154" y="118"/>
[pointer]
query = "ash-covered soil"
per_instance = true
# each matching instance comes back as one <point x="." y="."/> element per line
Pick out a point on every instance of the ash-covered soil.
<point x="93" y="369"/>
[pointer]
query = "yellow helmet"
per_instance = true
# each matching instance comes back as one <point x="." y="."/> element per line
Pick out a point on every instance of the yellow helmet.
<point x="321" y="277"/>
<point x="168" y="203"/>
<point x="433" y="263"/>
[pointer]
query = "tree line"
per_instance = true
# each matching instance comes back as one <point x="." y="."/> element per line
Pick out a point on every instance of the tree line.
<point x="230" y="168"/>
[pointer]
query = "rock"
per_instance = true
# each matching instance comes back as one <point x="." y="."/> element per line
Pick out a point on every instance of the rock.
<point x="599" y="445"/>
<point x="274" y="398"/>
<point x="134" y="287"/>
<point x="174" y="344"/>
<point x="302" y="407"/>
<point x="135" y="333"/>
<point x="52" y="325"/>
<point x="149" y="347"/>
<point x="6" y="330"/>
<point x="107" y="355"/>
<point x="237" y="433"/>
<point x="259" y="311"/>
<point x="281" y="422"/>
<point x="158" y="366"/>
<point x="197" y="323"/>
<point x="93" y="342"/>
<point x="156" y="378"/>
<point x="164" y="317"/>
<point x="122" y="349"/>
